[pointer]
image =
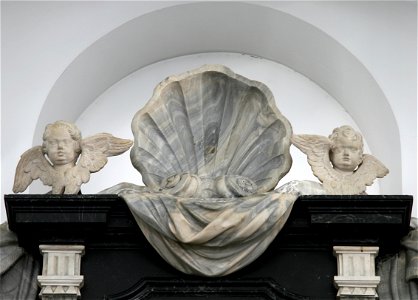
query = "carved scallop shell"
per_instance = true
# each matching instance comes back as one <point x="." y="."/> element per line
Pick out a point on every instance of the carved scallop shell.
<point x="211" y="122"/>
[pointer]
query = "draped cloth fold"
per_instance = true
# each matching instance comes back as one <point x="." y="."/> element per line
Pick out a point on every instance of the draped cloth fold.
<point x="18" y="270"/>
<point x="209" y="237"/>
<point x="399" y="273"/>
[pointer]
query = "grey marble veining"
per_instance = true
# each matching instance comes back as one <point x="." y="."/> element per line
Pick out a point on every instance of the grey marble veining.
<point x="211" y="122"/>
<point x="207" y="236"/>
<point x="211" y="146"/>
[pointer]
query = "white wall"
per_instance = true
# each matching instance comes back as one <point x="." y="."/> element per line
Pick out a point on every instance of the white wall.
<point x="383" y="36"/>
<point x="40" y="40"/>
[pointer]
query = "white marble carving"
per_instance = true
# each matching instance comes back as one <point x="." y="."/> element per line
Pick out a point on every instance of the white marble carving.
<point x="338" y="161"/>
<point x="302" y="187"/>
<point x="356" y="272"/>
<point x="61" y="279"/>
<point x="65" y="160"/>
<point x="211" y="146"/>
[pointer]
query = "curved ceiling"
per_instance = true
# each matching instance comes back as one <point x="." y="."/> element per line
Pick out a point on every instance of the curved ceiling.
<point x="230" y="27"/>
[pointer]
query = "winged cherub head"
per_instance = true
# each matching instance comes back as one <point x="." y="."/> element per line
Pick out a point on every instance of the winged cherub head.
<point x="346" y="152"/>
<point x="61" y="143"/>
<point x="65" y="161"/>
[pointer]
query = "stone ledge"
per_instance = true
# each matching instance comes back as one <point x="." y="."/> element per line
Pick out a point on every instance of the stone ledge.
<point x="316" y="222"/>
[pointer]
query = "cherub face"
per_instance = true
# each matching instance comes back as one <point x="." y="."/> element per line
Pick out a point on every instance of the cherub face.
<point x="346" y="157"/>
<point x="60" y="147"/>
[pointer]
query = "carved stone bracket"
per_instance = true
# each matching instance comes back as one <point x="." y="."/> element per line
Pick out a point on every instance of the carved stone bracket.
<point x="61" y="277"/>
<point x="356" y="272"/>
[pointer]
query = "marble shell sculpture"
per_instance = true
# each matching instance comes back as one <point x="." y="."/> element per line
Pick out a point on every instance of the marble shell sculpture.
<point x="211" y="122"/>
<point x="211" y="146"/>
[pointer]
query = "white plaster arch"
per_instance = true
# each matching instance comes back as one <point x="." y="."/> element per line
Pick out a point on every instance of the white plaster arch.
<point x="238" y="28"/>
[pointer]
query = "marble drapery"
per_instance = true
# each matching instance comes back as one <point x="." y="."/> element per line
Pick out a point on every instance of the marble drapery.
<point x="209" y="237"/>
<point x="18" y="270"/>
<point x="399" y="273"/>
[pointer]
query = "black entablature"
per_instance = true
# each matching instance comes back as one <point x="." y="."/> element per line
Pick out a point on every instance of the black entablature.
<point x="119" y="263"/>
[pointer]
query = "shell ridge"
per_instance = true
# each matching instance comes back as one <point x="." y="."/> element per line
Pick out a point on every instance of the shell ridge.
<point x="214" y="103"/>
<point x="155" y="147"/>
<point x="148" y="180"/>
<point x="242" y="153"/>
<point x="229" y="132"/>
<point x="194" y="111"/>
<point x="179" y="156"/>
<point x="268" y="183"/>
<point x="272" y="162"/>
<point x="162" y="135"/>
<point x="244" y="127"/>
<point x="153" y="158"/>
<point x="219" y="153"/>
<point x="210" y="121"/>
<point x="226" y="132"/>
<point x="275" y="161"/>
<point x="223" y="101"/>
<point x="243" y="163"/>
<point x="171" y="106"/>
<point x="152" y="180"/>
<point x="254" y="146"/>
<point x="186" y="109"/>
<point x="202" y="127"/>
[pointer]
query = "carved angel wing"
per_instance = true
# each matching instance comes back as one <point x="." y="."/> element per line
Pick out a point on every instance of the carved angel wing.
<point x="370" y="169"/>
<point x="32" y="165"/>
<point x="96" y="149"/>
<point x="317" y="148"/>
<point x="94" y="152"/>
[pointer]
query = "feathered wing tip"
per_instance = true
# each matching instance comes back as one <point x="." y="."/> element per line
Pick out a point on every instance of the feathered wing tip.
<point x="316" y="147"/>
<point x="370" y="169"/>
<point x="381" y="170"/>
<point x="95" y="150"/>
<point x="310" y="143"/>
<point x="106" y="144"/>
<point x="32" y="165"/>
<point x="118" y="146"/>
